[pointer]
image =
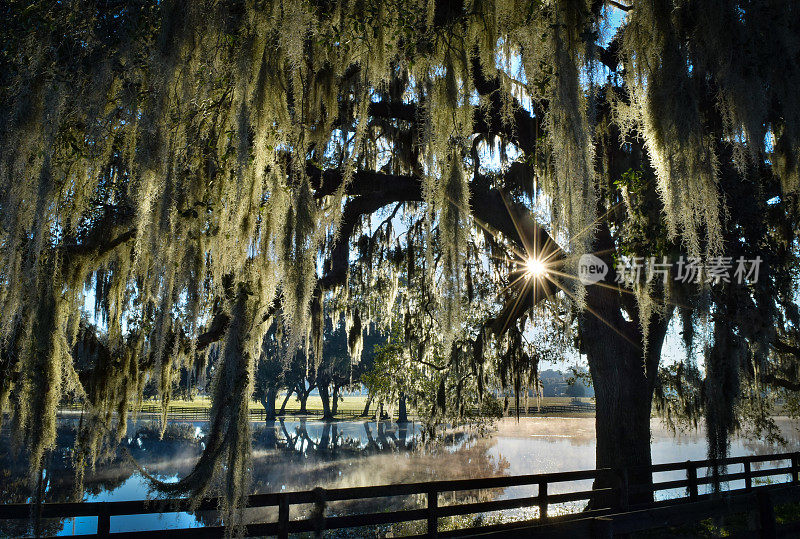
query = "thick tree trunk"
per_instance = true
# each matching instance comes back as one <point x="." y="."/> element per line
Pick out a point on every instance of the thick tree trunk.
<point x="402" y="413"/>
<point x="302" y="435"/>
<point x="371" y="445"/>
<point x="325" y="397"/>
<point x="325" y="439"/>
<point x="335" y="400"/>
<point x="402" y="433"/>
<point x="303" y="396"/>
<point x="285" y="400"/>
<point x="270" y="436"/>
<point x="622" y="422"/>
<point x="365" y="413"/>
<point x="623" y="373"/>
<point x="382" y="439"/>
<point x="289" y="440"/>
<point x="268" y="402"/>
<point x="723" y="363"/>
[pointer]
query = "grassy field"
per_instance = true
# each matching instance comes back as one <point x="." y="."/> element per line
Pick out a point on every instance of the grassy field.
<point x="350" y="403"/>
<point x="314" y="403"/>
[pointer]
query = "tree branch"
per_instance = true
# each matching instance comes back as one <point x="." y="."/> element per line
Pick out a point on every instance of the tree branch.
<point x="771" y="379"/>
<point x="98" y="247"/>
<point x="785" y="348"/>
<point x="488" y="207"/>
<point x="619" y="5"/>
<point x="217" y="329"/>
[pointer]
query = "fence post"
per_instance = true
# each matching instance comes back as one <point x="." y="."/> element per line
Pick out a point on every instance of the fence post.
<point x="624" y="489"/>
<point x="748" y="478"/>
<point x="103" y="521"/>
<point x="283" y="516"/>
<point x="766" y="515"/>
<point x="691" y="476"/>
<point x="602" y="527"/>
<point x="433" y="519"/>
<point x="542" y="500"/>
<point x="795" y="468"/>
<point x="320" y="499"/>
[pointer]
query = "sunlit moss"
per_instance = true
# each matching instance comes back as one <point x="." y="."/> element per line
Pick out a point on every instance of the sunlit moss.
<point x="158" y="158"/>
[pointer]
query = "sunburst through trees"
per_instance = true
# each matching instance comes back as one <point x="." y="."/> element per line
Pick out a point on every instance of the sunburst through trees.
<point x="179" y="178"/>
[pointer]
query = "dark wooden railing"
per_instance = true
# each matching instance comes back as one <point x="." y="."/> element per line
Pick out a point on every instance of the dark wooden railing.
<point x="617" y="515"/>
<point x="550" y="409"/>
<point x="758" y="504"/>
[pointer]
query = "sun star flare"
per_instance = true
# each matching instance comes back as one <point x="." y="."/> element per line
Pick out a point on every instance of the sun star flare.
<point x="535" y="268"/>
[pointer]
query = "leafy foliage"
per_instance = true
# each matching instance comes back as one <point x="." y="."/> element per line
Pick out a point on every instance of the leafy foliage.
<point x="202" y="170"/>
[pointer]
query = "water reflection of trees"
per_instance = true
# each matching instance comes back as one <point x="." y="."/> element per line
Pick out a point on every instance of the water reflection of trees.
<point x="292" y="458"/>
<point x="378" y="437"/>
<point x="287" y="456"/>
<point x="174" y="453"/>
<point x="300" y="455"/>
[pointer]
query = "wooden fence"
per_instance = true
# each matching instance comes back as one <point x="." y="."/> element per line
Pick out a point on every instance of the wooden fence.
<point x="758" y="506"/>
<point x="618" y="518"/>
<point x="551" y="409"/>
<point x="198" y="413"/>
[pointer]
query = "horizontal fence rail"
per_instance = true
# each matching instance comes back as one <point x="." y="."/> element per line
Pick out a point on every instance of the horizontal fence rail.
<point x="758" y="504"/>
<point x="199" y="413"/>
<point x="614" y="501"/>
<point x="196" y="413"/>
<point x="548" y="409"/>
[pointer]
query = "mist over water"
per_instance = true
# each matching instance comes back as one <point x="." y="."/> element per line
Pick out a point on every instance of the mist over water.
<point x="300" y="455"/>
<point x="554" y="444"/>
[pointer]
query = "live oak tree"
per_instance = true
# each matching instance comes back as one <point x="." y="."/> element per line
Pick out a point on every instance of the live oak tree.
<point x="334" y="371"/>
<point x="204" y="169"/>
<point x="269" y="373"/>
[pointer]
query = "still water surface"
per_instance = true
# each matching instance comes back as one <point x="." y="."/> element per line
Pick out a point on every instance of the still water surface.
<point x="299" y="455"/>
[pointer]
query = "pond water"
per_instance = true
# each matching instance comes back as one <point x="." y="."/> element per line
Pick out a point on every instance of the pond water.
<point x="299" y="455"/>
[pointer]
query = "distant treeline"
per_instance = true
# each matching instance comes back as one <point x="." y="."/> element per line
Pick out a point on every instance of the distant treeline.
<point x="558" y="384"/>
